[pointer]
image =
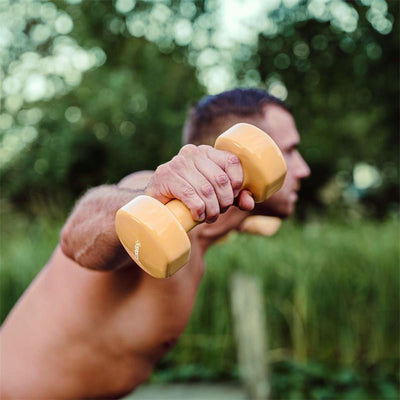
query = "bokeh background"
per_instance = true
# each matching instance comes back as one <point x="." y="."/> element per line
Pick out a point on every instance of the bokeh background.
<point x="91" y="91"/>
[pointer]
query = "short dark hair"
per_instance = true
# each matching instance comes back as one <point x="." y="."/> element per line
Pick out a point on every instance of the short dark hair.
<point x="212" y="114"/>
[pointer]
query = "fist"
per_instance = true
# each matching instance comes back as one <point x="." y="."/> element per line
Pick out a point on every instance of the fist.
<point x="205" y="179"/>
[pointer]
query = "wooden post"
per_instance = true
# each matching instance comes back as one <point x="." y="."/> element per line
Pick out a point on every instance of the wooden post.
<point x="250" y="332"/>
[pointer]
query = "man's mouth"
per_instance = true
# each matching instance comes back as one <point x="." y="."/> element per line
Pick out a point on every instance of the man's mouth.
<point x="293" y="196"/>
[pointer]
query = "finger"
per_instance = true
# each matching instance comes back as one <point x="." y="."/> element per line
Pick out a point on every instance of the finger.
<point x="218" y="179"/>
<point x="182" y="190"/>
<point x="245" y="200"/>
<point x="166" y="184"/>
<point x="187" y="170"/>
<point x="230" y="163"/>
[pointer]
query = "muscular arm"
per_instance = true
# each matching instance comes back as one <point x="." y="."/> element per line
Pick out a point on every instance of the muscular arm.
<point x="206" y="180"/>
<point x="88" y="236"/>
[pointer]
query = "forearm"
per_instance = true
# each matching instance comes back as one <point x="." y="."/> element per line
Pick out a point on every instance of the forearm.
<point x="89" y="236"/>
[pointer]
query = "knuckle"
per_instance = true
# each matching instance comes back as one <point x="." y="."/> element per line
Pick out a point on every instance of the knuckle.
<point x="233" y="159"/>
<point x="188" y="192"/>
<point x="178" y="161"/>
<point x="204" y="147"/>
<point x="199" y="208"/>
<point x="188" y="149"/>
<point x="222" y="179"/>
<point x="162" y="170"/>
<point x="206" y="189"/>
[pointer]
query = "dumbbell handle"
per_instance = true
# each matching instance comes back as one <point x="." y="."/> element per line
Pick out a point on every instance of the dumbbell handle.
<point x="182" y="213"/>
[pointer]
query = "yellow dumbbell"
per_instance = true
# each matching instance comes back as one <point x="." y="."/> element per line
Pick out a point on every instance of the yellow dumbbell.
<point x="154" y="234"/>
<point x="261" y="225"/>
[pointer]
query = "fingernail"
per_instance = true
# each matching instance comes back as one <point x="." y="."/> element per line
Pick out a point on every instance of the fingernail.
<point x="235" y="192"/>
<point x="202" y="217"/>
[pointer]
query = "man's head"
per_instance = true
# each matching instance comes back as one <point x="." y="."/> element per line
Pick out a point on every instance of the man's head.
<point x="215" y="114"/>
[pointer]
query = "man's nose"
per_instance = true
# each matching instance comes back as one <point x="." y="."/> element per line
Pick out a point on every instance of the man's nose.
<point x="303" y="170"/>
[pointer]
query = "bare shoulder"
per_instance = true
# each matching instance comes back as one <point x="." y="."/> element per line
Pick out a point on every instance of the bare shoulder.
<point x="137" y="180"/>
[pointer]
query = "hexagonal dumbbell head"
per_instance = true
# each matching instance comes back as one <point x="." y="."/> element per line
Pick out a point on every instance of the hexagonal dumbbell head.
<point x="154" y="234"/>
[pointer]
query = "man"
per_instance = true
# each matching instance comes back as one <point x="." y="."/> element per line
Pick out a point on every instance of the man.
<point x="81" y="333"/>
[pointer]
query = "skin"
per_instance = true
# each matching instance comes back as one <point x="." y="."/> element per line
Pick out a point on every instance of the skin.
<point x="80" y="333"/>
<point x="280" y="125"/>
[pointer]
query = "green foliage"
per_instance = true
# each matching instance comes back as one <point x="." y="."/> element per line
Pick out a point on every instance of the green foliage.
<point x="331" y="289"/>
<point x="299" y="381"/>
<point x="291" y="380"/>
<point x="331" y="292"/>
<point x="123" y="108"/>
<point x="332" y="301"/>
<point x="132" y="122"/>
<point x="25" y="247"/>
<point x="123" y="117"/>
<point x="345" y="104"/>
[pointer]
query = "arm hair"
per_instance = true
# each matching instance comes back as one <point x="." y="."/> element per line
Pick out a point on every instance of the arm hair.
<point x="89" y="236"/>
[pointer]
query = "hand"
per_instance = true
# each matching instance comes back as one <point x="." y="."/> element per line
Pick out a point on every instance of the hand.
<point x="206" y="180"/>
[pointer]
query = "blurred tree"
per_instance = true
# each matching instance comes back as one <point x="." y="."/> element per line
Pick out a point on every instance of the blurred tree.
<point x="95" y="90"/>
<point x="342" y="84"/>
<point x="122" y="117"/>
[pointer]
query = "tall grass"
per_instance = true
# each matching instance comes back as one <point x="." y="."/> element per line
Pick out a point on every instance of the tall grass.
<point x="331" y="291"/>
<point x="26" y="244"/>
<point x="331" y="294"/>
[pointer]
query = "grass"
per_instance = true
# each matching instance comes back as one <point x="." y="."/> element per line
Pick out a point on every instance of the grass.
<point x="331" y="291"/>
<point x="26" y="244"/>
<point x="331" y="294"/>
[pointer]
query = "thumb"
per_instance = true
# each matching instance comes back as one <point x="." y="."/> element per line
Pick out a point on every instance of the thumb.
<point x="245" y="200"/>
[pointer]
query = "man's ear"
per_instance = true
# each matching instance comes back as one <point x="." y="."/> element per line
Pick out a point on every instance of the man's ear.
<point x="260" y="225"/>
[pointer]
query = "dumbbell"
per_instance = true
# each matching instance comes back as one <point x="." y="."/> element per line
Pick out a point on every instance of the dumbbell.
<point x="155" y="234"/>
<point x="261" y="225"/>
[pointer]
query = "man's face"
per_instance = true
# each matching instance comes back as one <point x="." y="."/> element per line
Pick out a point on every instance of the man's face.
<point x="280" y="125"/>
